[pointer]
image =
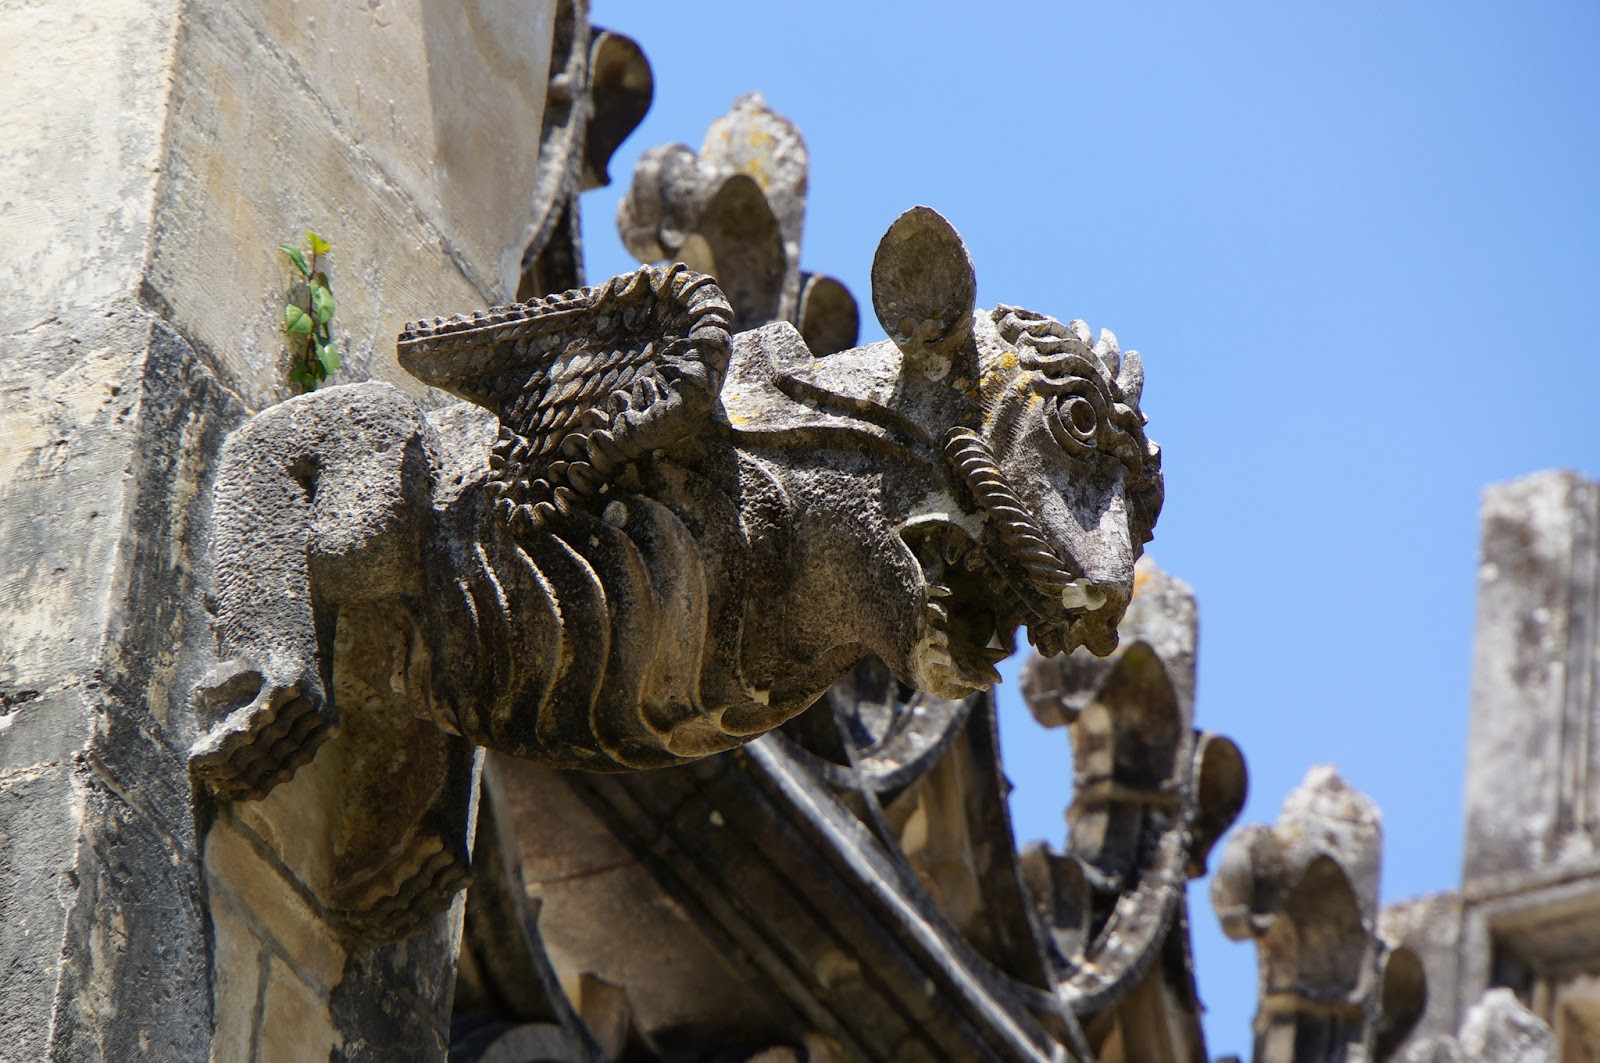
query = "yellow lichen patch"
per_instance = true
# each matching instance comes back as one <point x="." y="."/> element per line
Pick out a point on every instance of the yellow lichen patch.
<point x="756" y="170"/>
<point x="1140" y="578"/>
<point x="993" y="384"/>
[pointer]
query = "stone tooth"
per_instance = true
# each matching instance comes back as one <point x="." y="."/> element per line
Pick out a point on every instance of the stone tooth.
<point x="938" y="590"/>
<point x="937" y="613"/>
<point x="1082" y="594"/>
<point x="1080" y="328"/>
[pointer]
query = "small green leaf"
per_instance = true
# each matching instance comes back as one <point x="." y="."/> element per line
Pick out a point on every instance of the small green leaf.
<point x="322" y="303"/>
<point x="319" y="246"/>
<point x="328" y="356"/>
<point x="296" y="321"/>
<point x="297" y="258"/>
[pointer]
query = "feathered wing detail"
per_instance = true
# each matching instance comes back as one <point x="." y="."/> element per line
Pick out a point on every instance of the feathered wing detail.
<point x="584" y="383"/>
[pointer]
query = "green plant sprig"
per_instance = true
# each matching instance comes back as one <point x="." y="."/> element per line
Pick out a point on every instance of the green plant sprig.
<point x="307" y="315"/>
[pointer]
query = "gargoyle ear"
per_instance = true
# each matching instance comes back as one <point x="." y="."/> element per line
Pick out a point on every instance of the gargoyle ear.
<point x="923" y="288"/>
<point x="621" y="87"/>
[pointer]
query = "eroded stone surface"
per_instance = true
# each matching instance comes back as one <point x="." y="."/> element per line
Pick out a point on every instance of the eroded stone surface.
<point x="1305" y="890"/>
<point x="727" y="523"/>
<point x="1534" y="776"/>
<point x="1524" y="916"/>
<point x="1497" y="1029"/>
<point x="734" y="210"/>
<point x="79" y="171"/>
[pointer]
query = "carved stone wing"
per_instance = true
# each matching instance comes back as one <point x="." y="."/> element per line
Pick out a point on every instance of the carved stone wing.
<point x="584" y="383"/>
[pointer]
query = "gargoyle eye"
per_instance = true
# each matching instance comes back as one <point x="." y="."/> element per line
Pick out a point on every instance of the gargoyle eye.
<point x="1074" y="415"/>
<point x="1081" y="418"/>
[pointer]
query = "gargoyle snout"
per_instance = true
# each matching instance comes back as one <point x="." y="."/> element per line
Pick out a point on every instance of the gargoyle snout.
<point x="1098" y="629"/>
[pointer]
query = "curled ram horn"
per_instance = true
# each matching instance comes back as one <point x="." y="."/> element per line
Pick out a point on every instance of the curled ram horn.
<point x="1131" y="377"/>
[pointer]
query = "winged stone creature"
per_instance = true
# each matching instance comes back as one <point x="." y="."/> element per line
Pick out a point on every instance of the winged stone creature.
<point x="645" y="539"/>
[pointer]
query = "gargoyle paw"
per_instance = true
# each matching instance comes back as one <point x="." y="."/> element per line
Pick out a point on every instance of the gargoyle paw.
<point x="276" y="729"/>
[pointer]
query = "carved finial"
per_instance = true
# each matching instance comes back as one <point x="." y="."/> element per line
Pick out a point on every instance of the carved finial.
<point x="1150" y="794"/>
<point x="1306" y="890"/>
<point x="735" y="210"/>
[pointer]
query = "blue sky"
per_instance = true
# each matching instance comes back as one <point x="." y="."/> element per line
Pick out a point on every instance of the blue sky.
<point x="1357" y="247"/>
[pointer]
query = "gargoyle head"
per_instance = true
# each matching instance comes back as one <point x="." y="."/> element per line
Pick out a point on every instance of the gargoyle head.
<point x="1047" y="448"/>
<point x="1015" y="485"/>
<point x="1068" y="483"/>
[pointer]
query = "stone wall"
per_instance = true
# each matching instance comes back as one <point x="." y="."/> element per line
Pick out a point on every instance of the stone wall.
<point x="1525" y="916"/>
<point x="157" y="152"/>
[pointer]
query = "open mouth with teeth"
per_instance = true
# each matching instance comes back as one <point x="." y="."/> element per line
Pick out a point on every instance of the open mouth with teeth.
<point x="976" y="601"/>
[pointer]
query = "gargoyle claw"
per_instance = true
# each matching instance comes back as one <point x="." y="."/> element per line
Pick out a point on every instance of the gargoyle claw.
<point x="252" y="749"/>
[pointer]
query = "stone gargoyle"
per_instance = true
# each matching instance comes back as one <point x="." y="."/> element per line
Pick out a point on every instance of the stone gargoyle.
<point x="679" y="537"/>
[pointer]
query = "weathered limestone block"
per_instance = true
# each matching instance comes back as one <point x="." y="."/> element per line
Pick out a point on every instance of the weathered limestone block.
<point x="1530" y="754"/>
<point x="474" y="89"/>
<point x="107" y="440"/>
<point x="1525" y="917"/>
<point x="178" y="162"/>
<point x="154" y="168"/>
<point x="1497" y="1029"/>
<point x="284" y="120"/>
<point x="85" y="91"/>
